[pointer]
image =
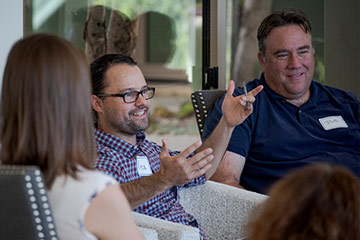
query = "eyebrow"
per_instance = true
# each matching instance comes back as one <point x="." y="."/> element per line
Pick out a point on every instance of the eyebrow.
<point x="286" y="50"/>
<point x="132" y="89"/>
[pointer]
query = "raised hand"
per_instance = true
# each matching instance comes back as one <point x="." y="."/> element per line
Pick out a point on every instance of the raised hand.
<point x="234" y="108"/>
<point x="177" y="170"/>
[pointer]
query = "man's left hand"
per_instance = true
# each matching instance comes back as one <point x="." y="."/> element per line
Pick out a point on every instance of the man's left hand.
<point x="234" y="109"/>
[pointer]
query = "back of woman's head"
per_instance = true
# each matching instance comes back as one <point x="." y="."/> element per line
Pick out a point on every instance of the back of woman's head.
<point x="45" y="110"/>
<point x="318" y="202"/>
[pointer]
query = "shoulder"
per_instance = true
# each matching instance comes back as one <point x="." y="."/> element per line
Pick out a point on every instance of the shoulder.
<point x="106" y="152"/>
<point x="334" y="93"/>
<point x="96" y="177"/>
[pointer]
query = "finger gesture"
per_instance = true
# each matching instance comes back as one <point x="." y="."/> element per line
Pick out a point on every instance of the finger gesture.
<point x="234" y="109"/>
<point x="180" y="169"/>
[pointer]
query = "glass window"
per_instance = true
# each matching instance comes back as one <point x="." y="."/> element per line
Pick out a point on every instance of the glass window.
<point x="163" y="36"/>
<point x="160" y="35"/>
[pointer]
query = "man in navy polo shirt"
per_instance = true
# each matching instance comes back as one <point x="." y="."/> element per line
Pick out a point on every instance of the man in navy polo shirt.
<point x="296" y="121"/>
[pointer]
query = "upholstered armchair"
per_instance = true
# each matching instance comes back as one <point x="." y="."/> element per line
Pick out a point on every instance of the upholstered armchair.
<point x="223" y="212"/>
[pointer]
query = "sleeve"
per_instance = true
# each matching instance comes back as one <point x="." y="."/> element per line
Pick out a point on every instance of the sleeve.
<point x="195" y="182"/>
<point x="213" y="119"/>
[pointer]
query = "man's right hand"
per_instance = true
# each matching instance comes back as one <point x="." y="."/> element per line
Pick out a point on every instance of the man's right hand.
<point x="174" y="170"/>
<point x="177" y="170"/>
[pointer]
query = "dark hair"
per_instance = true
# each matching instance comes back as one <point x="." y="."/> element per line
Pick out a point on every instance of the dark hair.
<point x="45" y="107"/>
<point x="281" y="18"/>
<point x="318" y="202"/>
<point x="100" y="66"/>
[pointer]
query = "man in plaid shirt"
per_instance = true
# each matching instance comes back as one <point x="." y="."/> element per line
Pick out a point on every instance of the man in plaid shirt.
<point x="150" y="175"/>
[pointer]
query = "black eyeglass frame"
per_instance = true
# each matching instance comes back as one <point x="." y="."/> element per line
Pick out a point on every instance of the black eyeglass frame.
<point x="148" y="89"/>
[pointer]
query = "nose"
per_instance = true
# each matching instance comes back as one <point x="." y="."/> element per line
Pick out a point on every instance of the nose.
<point x="141" y="100"/>
<point x="294" y="61"/>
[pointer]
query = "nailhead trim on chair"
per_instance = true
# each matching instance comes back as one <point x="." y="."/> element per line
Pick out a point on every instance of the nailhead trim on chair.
<point x="33" y="177"/>
<point x="203" y="101"/>
<point x="198" y="111"/>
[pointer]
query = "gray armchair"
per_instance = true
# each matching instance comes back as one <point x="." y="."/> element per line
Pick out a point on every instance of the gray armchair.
<point x="166" y="230"/>
<point x="222" y="210"/>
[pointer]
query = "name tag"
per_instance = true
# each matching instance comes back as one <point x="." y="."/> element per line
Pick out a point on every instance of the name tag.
<point x="143" y="166"/>
<point x="332" y="122"/>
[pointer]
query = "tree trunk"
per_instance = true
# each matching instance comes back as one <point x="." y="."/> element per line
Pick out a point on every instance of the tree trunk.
<point x="245" y="64"/>
<point x="121" y="34"/>
<point x="95" y="33"/>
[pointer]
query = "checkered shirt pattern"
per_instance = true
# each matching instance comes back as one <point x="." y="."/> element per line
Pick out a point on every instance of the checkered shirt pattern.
<point x="117" y="158"/>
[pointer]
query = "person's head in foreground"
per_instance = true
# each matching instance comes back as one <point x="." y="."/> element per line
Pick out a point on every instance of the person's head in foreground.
<point x="317" y="202"/>
<point x="46" y="121"/>
<point x="45" y="108"/>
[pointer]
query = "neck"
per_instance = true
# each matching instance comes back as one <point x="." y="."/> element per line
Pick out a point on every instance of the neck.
<point x="127" y="138"/>
<point x="301" y="100"/>
<point x="130" y="138"/>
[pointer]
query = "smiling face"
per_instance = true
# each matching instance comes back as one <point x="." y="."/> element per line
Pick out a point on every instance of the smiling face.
<point x="115" y="116"/>
<point x="288" y="64"/>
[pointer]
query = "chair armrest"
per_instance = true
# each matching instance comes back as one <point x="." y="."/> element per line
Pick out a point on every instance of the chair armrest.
<point x="222" y="210"/>
<point x="148" y="234"/>
<point x="165" y="229"/>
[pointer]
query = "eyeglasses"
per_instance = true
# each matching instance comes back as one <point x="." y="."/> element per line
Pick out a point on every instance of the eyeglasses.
<point x="132" y="96"/>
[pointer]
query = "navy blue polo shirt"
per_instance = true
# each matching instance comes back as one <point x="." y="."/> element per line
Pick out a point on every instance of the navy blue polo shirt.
<point x="279" y="137"/>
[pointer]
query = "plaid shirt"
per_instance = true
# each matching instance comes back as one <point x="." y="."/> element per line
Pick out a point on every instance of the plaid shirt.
<point x="117" y="158"/>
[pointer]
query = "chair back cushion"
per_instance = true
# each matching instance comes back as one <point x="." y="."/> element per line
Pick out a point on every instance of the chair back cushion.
<point x="24" y="208"/>
<point x="203" y="101"/>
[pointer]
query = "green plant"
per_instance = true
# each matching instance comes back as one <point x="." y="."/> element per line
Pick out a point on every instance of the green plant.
<point x="186" y="110"/>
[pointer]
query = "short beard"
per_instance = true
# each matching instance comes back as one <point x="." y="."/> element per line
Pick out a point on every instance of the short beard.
<point x="129" y="126"/>
<point x="135" y="128"/>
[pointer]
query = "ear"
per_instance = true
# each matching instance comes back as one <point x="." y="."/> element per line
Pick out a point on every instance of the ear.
<point x="261" y="61"/>
<point x="96" y="104"/>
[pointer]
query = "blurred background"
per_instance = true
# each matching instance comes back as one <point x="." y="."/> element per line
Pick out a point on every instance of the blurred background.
<point x="179" y="45"/>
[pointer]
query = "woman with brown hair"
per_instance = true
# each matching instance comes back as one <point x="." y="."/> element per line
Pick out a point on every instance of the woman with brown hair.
<point x="317" y="202"/>
<point x="46" y="121"/>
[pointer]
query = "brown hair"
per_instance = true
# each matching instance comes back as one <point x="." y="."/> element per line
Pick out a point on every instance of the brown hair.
<point x="318" y="202"/>
<point x="45" y="107"/>
<point x="279" y="19"/>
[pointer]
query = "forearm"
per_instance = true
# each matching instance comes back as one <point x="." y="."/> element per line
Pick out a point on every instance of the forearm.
<point x="218" y="141"/>
<point x="139" y="191"/>
<point x="226" y="180"/>
<point x="230" y="169"/>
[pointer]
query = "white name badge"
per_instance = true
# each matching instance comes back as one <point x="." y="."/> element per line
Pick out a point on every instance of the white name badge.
<point x="332" y="122"/>
<point x="143" y="166"/>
